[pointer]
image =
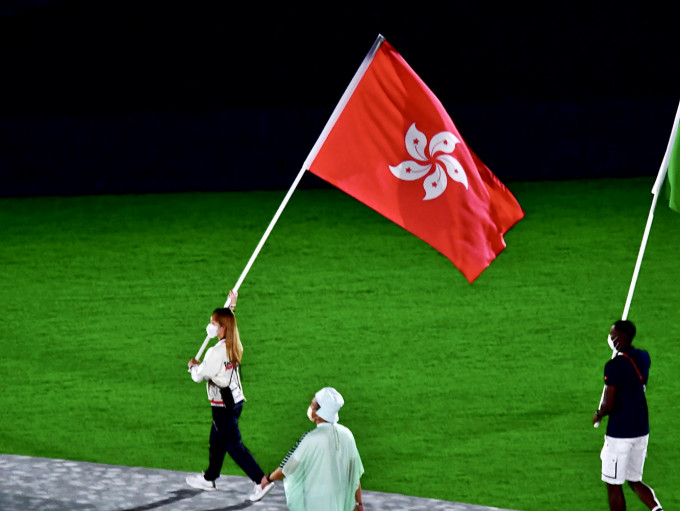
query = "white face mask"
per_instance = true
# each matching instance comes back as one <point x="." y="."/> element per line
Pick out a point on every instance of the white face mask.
<point x="211" y="330"/>
<point x="309" y="413"/>
<point x="611" y="342"/>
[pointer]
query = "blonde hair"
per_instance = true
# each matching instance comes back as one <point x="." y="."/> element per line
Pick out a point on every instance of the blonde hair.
<point x="226" y="318"/>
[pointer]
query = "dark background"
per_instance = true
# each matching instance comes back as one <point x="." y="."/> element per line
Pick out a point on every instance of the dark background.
<point x="133" y="97"/>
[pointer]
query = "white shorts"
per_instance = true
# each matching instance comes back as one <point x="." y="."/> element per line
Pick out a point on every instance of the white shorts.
<point x="623" y="459"/>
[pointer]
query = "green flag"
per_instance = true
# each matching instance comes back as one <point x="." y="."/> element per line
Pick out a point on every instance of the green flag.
<point x="673" y="183"/>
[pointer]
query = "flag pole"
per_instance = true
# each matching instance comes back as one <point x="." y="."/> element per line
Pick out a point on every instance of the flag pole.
<point x="663" y="169"/>
<point x="257" y="250"/>
<point x="655" y="192"/>
<point x="312" y="154"/>
<point x="343" y="100"/>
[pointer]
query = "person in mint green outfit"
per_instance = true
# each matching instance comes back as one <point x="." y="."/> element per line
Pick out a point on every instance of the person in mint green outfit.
<point x="324" y="469"/>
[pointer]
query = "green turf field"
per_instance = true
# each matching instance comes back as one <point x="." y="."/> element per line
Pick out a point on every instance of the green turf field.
<point x="477" y="393"/>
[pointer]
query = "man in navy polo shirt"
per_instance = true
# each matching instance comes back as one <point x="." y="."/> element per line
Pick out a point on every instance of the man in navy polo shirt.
<point x="625" y="444"/>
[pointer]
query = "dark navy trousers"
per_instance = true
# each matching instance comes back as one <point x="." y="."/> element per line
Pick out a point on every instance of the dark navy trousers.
<point x="225" y="437"/>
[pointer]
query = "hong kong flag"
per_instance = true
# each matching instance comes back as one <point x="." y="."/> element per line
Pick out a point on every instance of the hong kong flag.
<point x="391" y="145"/>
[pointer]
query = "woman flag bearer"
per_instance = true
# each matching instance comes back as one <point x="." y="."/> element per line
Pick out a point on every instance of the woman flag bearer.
<point x="220" y="369"/>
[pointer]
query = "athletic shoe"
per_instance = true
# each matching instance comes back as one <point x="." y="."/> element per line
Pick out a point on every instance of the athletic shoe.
<point x="199" y="482"/>
<point x="259" y="492"/>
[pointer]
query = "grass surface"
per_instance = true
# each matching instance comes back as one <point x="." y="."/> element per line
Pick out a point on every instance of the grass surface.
<point x="477" y="393"/>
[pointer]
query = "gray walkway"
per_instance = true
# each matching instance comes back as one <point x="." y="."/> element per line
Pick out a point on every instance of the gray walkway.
<point x="57" y="485"/>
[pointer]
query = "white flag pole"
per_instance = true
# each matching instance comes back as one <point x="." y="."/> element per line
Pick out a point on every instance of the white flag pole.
<point x="257" y="250"/>
<point x="655" y="192"/>
<point x="315" y="149"/>
<point x="343" y="100"/>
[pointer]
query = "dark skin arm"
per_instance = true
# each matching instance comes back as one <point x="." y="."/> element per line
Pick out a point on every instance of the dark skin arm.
<point x="278" y="474"/>
<point x="607" y="403"/>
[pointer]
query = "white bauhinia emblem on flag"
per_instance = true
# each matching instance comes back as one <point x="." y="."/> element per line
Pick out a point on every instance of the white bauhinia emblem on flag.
<point x="465" y="211"/>
<point x="437" y="155"/>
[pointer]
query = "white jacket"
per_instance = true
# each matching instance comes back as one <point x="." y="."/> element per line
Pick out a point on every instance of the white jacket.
<point x="219" y="372"/>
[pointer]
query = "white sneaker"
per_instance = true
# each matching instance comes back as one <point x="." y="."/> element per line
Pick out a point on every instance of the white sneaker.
<point x="259" y="492"/>
<point x="198" y="481"/>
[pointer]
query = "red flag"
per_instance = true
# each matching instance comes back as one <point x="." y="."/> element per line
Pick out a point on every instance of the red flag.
<point x="391" y="145"/>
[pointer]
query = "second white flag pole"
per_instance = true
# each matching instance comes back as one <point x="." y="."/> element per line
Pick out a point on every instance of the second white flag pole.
<point x="655" y="192"/>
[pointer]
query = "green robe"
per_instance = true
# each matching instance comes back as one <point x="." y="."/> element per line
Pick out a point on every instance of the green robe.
<point x="323" y="471"/>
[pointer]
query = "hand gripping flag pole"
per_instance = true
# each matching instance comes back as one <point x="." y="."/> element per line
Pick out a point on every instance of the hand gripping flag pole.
<point x="655" y="192"/>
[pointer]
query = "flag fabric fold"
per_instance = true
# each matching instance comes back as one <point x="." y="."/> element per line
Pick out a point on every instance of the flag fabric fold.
<point x="391" y="145"/>
<point x="673" y="176"/>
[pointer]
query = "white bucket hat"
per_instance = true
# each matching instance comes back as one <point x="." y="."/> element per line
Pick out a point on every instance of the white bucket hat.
<point x="329" y="401"/>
